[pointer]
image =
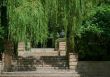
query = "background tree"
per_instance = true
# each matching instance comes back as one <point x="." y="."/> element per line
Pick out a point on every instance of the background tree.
<point x="93" y="38"/>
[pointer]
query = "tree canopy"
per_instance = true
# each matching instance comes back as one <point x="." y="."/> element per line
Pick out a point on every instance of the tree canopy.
<point x="35" y="19"/>
<point x="27" y="20"/>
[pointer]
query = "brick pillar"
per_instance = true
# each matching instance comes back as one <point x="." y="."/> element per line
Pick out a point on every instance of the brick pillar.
<point x="62" y="48"/>
<point x="21" y="48"/>
<point x="73" y="59"/>
<point x="2" y="68"/>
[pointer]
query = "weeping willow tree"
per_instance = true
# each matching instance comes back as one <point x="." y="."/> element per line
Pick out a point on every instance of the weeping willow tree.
<point x="30" y="19"/>
<point x="34" y="19"/>
<point x="75" y="11"/>
<point x="27" y="21"/>
<point x="64" y="14"/>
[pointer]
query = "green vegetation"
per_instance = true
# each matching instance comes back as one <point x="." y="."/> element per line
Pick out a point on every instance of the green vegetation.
<point x="92" y="42"/>
<point x="27" y="21"/>
<point x="86" y="24"/>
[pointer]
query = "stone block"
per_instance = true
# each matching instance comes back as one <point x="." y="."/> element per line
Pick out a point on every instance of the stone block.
<point x="72" y="59"/>
<point x="73" y="63"/>
<point x="62" y="45"/>
<point x="21" y="46"/>
<point x="72" y="56"/>
<point x="73" y="67"/>
<point x="62" y="53"/>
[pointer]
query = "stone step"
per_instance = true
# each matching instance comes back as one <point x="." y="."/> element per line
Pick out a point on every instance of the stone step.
<point x="36" y="68"/>
<point x="45" y="71"/>
<point x="44" y="68"/>
<point x="43" y="58"/>
<point x="39" y="52"/>
<point x="54" y="61"/>
<point x="42" y="49"/>
<point x="41" y="75"/>
<point x="51" y="59"/>
<point x="32" y="74"/>
<point x="51" y="73"/>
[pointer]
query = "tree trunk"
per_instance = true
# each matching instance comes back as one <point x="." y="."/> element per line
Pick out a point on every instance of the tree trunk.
<point x="8" y="50"/>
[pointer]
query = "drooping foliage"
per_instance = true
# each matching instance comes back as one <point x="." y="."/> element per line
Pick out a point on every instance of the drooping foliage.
<point x="63" y="14"/>
<point x="33" y="19"/>
<point x="27" y="20"/>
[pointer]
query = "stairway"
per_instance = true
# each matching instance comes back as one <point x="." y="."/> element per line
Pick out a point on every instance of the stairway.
<point x="43" y="66"/>
<point x="40" y="63"/>
<point x="31" y="63"/>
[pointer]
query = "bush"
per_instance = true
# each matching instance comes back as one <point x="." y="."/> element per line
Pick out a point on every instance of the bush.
<point x="94" y="40"/>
